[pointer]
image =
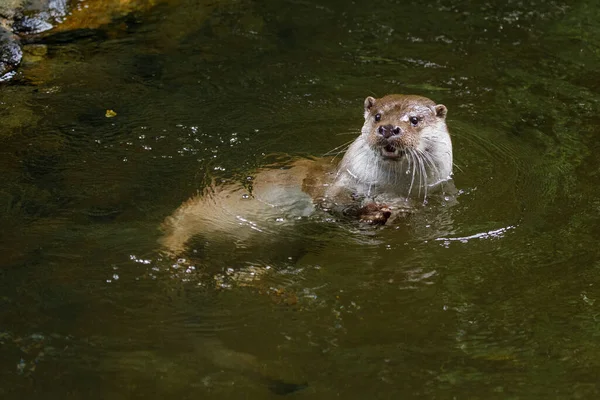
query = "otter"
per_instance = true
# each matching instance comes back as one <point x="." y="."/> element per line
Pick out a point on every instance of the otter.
<point x="403" y="153"/>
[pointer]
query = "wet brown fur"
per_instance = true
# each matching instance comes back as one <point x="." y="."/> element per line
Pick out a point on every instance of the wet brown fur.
<point x="367" y="171"/>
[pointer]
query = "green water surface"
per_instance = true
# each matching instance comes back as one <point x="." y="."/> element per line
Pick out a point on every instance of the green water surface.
<point x="494" y="298"/>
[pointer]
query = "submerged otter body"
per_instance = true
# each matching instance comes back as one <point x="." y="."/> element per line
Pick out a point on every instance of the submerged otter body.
<point x="404" y="152"/>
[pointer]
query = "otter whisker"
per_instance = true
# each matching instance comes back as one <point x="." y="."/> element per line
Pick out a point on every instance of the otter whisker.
<point x="422" y="175"/>
<point x="425" y="186"/>
<point x="420" y="164"/>
<point x="349" y="132"/>
<point x="491" y="146"/>
<point x="458" y="167"/>
<point x="427" y="158"/>
<point x="339" y="149"/>
<point x="418" y="171"/>
<point x="411" y="162"/>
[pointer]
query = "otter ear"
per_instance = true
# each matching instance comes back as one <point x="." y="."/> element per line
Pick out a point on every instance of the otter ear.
<point x="369" y="103"/>
<point x="441" y="110"/>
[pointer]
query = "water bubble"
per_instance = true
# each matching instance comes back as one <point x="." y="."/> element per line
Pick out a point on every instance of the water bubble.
<point x="21" y="366"/>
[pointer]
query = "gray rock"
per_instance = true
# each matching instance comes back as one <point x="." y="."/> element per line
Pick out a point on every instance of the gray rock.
<point x="10" y="51"/>
<point x="9" y="8"/>
<point x="22" y="17"/>
<point x="40" y="15"/>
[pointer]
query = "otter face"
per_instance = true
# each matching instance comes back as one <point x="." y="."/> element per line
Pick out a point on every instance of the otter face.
<point x="397" y="124"/>
<point x="404" y="148"/>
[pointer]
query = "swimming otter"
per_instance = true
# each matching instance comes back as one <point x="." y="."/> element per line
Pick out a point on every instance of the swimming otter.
<point x="404" y="151"/>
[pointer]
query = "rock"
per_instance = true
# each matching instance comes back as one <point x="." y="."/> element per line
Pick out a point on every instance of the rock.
<point x="10" y="52"/>
<point x="8" y="9"/>
<point x="38" y="16"/>
<point x="23" y="17"/>
<point x="19" y="18"/>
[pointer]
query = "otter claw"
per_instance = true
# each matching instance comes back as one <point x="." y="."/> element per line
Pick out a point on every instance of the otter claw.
<point x="374" y="214"/>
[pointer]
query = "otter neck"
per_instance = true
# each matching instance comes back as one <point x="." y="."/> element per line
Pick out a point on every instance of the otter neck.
<point x="364" y="171"/>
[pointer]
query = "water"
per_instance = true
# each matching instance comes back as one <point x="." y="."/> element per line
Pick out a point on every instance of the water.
<point x="495" y="297"/>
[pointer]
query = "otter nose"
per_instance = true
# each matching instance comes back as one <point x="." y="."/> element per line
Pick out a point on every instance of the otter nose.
<point x="388" y="130"/>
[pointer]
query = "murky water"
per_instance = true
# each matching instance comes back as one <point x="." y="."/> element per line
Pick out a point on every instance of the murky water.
<point x="496" y="297"/>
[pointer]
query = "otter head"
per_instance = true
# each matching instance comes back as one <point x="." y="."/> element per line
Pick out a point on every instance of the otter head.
<point x="397" y="124"/>
<point x="404" y="149"/>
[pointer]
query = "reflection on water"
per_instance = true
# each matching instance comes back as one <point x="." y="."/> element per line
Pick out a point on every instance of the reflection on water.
<point x="491" y="298"/>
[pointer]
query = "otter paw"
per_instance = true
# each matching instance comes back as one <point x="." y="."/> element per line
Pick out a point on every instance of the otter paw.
<point x="374" y="214"/>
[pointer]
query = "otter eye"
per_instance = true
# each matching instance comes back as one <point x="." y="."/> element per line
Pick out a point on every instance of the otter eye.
<point x="377" y="117"/>
<point x="414" y="121"/>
